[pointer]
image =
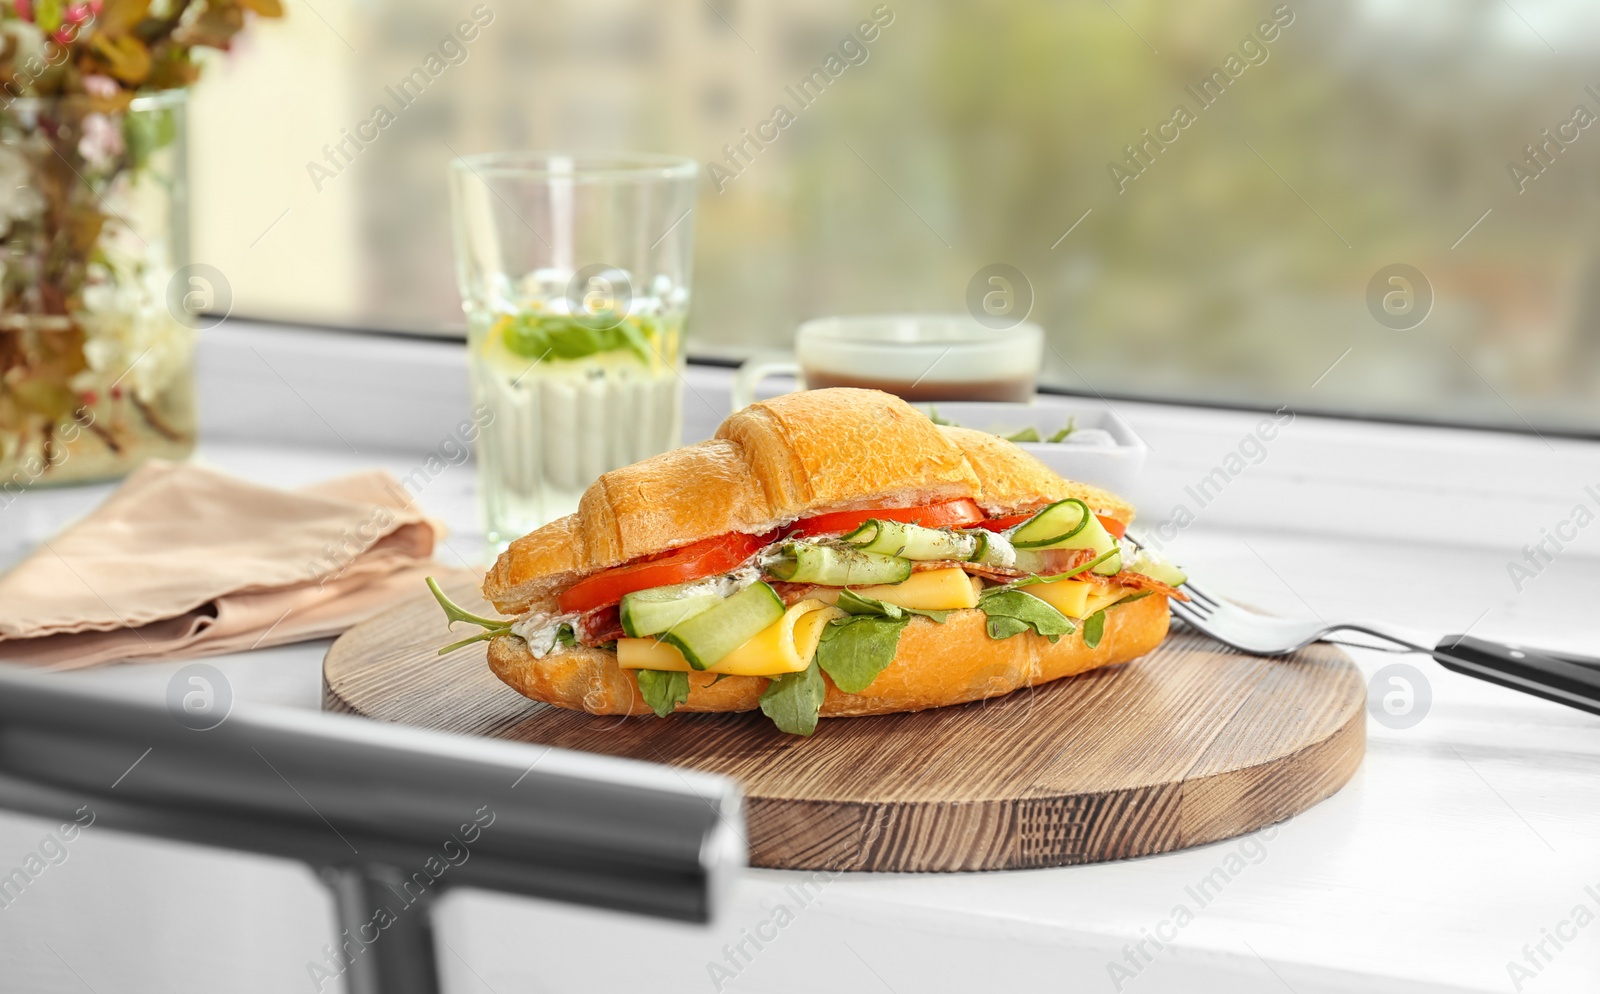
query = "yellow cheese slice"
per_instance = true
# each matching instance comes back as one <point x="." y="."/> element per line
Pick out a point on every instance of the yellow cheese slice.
<point x="1067" y="596"/>
<point x="948" y="589"/>
<point x="1104" y="597"/>
<point x="785" y="646"/>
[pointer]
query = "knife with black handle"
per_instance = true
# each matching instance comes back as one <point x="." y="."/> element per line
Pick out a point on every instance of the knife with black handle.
<point x="1565" y="678"/>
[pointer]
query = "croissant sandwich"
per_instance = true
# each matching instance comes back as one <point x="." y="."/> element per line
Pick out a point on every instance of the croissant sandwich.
<point x="830" y="553"/>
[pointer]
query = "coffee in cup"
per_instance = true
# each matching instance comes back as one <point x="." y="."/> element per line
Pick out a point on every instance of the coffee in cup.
<point x="919" y="357"/>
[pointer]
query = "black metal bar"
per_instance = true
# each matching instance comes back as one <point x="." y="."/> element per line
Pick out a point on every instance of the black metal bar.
<point x="392" y="815"/>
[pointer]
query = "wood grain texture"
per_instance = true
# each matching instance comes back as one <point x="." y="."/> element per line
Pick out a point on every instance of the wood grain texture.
<point x="1191" y="744"/>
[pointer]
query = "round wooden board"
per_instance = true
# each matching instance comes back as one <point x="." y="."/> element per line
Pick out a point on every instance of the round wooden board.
<point x="1190" y="744"/>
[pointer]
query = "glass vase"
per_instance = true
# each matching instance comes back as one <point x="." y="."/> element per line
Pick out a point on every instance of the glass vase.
<point x="98" y="320"/>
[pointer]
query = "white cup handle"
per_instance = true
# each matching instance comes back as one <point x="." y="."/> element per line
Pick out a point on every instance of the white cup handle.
<point x="753" y="372"/>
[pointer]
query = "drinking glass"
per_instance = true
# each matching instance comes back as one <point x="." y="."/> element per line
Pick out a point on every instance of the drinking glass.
<point x="574" y="276"/>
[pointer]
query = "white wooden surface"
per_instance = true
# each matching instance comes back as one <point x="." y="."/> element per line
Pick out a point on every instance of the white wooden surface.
<point x="1460" y="841"/>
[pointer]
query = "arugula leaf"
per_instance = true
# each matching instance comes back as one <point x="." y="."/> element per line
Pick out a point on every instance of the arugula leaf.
<point x="1061" y="436"/>
<point x="454" y="612"/>
<point x="1069" y="574"/>
<point x="855" y="650"/>
<point x="663" y="690"/>
<point x="1017" y="607"/>
<point x="792" y="700"/>
<point x="1029" y="434"/>
<point x="1002" y="627"/>
<point x="1094" y="628"/>
<point x="853" y="603"/>
<point x="566" y="636"/>
<point x="482" y="636"/>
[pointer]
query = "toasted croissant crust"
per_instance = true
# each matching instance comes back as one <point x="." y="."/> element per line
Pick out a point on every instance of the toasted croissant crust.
<point x="935" y="665"/>
<point x="845" y="448"/>
<point x="773" y="462"/>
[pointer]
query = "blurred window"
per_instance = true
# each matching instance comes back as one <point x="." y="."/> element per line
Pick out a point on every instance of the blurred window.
<point x="1206" y="198"/>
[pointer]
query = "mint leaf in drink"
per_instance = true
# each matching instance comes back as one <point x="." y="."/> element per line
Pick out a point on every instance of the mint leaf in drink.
<point x="572" y="339"/>
<point x="1008" y="609"/>
<point x="855" y="650"/>
<point x="663" y="690"/>
<point x="793" y="700"/>
<point x="638" y="338"/>
<point x="561" y="336"/>
<point x="523" y="336"/>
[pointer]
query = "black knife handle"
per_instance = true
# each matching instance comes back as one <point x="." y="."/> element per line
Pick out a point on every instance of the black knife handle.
<point x="1593" y="662"/>
<point x="1566" y="679"/>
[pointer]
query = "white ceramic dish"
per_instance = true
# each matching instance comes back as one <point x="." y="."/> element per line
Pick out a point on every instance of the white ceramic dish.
<point x="1102" y="449"/>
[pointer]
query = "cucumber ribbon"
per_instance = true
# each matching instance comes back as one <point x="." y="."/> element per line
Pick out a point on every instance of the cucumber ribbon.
<point x="1047" y="516"/>
<point x="909" y="541"/>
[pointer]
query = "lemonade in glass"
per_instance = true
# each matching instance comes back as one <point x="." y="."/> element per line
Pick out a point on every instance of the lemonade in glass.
<point x="574" y="274"/>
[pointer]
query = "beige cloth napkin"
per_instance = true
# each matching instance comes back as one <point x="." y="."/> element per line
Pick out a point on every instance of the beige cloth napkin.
<point x="182" y="561"/>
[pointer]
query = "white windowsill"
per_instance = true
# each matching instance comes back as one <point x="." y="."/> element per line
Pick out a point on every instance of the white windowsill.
<point x="1457" y="842"/>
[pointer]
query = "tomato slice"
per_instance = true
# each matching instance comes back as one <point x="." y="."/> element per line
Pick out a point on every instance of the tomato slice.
<point x="1001" y="524"/>
<point x="1112" y="525"/>
<point x="692" y="562"/>
<point x="950" y="513"/>
<point x="721" y="554"/>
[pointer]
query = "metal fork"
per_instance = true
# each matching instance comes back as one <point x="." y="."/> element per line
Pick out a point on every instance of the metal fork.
<point x="1556" y="676"/>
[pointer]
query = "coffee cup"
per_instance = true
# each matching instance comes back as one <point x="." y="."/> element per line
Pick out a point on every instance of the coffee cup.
<point x="919" y="357"/>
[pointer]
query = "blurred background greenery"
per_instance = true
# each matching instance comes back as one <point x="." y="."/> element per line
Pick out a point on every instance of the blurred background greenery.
<point x="1233" y="270"/>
